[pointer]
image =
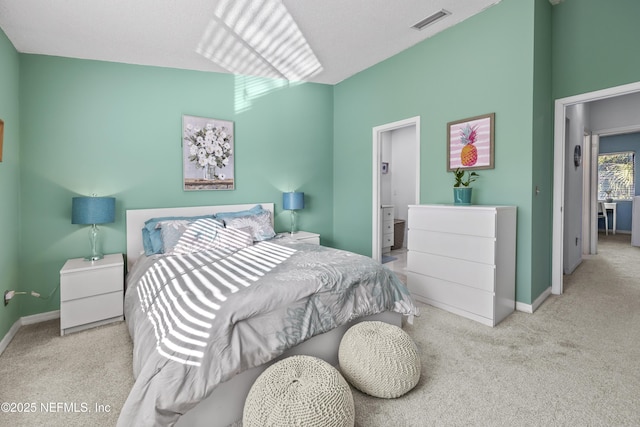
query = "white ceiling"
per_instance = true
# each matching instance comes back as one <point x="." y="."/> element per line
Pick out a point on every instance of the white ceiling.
<point x="347" y="36"/>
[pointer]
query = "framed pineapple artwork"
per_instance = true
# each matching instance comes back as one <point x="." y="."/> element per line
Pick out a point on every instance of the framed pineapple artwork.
<point x="470" y="143"/>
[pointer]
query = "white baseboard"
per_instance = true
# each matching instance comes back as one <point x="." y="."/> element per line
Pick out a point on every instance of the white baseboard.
<point x="9" y="335"/>
<point x="26" y="320"/>
<point x="530" y="308"/>
<point x="40" y="317"/>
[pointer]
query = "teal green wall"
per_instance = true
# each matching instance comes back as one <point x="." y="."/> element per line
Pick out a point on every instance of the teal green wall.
<point x="115" y="130"/>
<point x="483" y="65"/>
<point x="542" y="201"/>
<point x="594" y="45"/>
<point x="9" y="181"/>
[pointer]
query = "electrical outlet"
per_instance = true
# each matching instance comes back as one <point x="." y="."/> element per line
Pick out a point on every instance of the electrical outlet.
<point x="6" y="300"/>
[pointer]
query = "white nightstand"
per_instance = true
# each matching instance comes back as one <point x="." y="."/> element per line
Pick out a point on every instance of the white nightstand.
<point x="303" y="236"/>
<point x="91" y="292"/>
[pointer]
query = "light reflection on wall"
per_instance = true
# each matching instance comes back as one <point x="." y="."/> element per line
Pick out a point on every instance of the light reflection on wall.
<point x="248" y="88"/>
<point x="253" y="38"/>
<point x="180" y="294"/>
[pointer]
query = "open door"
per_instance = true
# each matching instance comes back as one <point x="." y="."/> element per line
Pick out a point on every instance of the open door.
<point x="378" y="135"/>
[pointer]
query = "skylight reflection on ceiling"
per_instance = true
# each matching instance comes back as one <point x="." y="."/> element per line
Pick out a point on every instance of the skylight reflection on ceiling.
<point x="258" y="38"/>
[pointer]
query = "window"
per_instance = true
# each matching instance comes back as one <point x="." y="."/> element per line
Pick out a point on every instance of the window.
<point x="616" y="176"/>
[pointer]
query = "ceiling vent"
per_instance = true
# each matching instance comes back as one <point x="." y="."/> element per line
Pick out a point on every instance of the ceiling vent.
<point x="431" y="19"/>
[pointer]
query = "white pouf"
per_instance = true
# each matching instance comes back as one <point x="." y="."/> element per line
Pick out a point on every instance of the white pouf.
<point x="379" y="359"/>
<point x="299" y="391"/>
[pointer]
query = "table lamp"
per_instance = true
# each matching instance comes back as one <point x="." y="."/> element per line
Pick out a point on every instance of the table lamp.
<point x="293" y="201"/>
<point x="93" y="210"/>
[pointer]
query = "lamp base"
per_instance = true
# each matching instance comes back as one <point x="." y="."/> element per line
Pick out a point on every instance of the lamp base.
<point x="94" y="239"/>
<point x="294" y="222"/>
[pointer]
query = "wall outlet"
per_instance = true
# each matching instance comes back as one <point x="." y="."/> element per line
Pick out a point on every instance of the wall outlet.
<point x="7" y="297"/>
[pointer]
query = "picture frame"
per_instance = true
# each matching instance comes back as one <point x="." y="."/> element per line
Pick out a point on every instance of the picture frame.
<point x="470" y="143"/>
<point x="208" y="152"/>
<point x="385" y="167"/>
<point x="1" y="137"/>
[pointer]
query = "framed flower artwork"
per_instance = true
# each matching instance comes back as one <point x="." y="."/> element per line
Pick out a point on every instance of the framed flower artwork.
<point x="470" y="143"/>
<point x="207" y="154"/>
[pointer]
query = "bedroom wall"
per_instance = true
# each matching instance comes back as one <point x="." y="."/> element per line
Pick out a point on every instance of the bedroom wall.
<point x="542" y="152"/>
<point x="9" y="181"/>
<point x="482" y="65"/>
<point x="115" y="130"/>
<point x="593" y="45"/>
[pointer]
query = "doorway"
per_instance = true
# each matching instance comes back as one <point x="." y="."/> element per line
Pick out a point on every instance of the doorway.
<point x="409" y="155"/>
<point x="560" y="162"/>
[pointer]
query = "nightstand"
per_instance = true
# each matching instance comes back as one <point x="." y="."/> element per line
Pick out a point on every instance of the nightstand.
<point x="303" y="236"/>
<point x="91" y="292"/>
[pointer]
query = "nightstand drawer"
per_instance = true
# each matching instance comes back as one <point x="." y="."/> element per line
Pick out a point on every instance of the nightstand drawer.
<point x="313" y="240"/>
<point x="81" y="284"/>
<point x="90" y="309"/>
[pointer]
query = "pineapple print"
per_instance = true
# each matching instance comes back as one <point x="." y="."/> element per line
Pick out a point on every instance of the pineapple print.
<point x="469" y="154"/>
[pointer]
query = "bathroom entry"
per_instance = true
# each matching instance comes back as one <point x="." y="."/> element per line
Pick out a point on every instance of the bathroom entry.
<point x="396" y="183"/>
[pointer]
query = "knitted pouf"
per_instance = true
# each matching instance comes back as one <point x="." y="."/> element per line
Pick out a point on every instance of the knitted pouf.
<point x="299" y="391"/>
<point x="379" y="359"/>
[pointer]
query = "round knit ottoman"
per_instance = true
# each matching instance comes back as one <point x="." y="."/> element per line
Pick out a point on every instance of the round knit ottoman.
<point x="379" y="359"/>
<point x="299" y="391"/>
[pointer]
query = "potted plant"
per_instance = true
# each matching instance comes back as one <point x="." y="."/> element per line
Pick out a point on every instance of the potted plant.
<point x="461" y="189"/>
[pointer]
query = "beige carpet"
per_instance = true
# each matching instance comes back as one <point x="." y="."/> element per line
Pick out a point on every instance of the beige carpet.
<point x="575" y="362"/>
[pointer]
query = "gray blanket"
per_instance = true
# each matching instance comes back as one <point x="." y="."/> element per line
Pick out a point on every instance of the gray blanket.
<point x="197" y="320"/>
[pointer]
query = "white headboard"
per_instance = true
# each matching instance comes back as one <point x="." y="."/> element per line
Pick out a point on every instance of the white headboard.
<point x="137" y="217"/>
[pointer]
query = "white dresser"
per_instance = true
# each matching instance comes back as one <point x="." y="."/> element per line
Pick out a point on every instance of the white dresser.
<point x="463" y="259"/>
<point x="388" y="214"/>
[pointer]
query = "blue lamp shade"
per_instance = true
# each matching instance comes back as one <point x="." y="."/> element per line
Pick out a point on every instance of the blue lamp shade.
<point x="93" y="210"/>
<point x="293" y="201"/>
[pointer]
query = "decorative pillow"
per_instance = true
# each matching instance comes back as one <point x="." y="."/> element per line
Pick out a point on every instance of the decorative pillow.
<point x="257" y="209"/>
<point x="227" y="240"/>
<point x="185" y="236"/>
<point x="260" y="225"/>
<point x="151" y="232"/>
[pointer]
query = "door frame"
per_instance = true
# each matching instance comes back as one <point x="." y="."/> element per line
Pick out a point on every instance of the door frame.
<point x="376" y="236"/>
<point x="558" y="171"/>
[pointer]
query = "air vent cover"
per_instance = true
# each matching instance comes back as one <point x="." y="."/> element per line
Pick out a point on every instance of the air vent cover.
<point x="431" y="19"/>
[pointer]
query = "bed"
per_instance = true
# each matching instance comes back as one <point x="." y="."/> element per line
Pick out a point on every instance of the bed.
<point x="207" y="318"/>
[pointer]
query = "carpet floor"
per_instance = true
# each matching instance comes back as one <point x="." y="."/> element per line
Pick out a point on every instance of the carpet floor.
<point x="574" y="362"/>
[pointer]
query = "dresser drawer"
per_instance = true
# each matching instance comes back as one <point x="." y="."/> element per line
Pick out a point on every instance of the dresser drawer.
<point x="471" y="221"/>
<point x="458" y="296"/>
<point x="470" y="248"/>
<point x="387" y="240"/>
<point x="387" y="214"/>
<point x="80" y="284"/>
<point x="387" y="227"/>
<point x="91" y="309"/>
<point x="468" y="273"/>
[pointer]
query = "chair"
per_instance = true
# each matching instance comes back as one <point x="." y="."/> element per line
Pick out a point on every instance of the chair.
<point x="602" y="213"/>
